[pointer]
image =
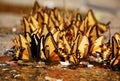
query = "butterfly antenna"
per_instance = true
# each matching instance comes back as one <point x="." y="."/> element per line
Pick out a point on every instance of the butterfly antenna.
<point x="109" y="30"/>
<point x="64" y="10"/>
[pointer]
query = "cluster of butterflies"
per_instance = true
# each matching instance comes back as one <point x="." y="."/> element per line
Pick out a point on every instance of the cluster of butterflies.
<point x="57" y="35"/>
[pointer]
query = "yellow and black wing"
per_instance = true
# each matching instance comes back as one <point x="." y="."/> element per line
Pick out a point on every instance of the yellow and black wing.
<point x="83" y="46"/>
<point x="50" y="48"/>
<point x="23" y="52"/>
<point x="114" y="47"/>
<point x="97" y="46"/>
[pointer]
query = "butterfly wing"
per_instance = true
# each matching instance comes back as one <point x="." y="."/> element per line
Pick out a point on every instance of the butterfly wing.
<point x="35" y="47"/>
<point x="50" y="47"/>
<point x="97" y="46"/>
<point x="83" y="46"/>
<point x="24" y="48"/>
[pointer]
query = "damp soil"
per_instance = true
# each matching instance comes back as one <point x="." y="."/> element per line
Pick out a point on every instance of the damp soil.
<point x="29" y="71"/>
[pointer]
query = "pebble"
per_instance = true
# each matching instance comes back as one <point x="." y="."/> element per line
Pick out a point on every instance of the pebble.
<point x="5" y="69"/>
<point x="16" y="76"/>
<point x="13" y="71"/>
<point x="82" y="79"/>
<point x="37" y="66"/>
<point x="2" y="65"/>
<point x="47" y="78"/>
<point x="59" y="80"/>
<point x="41" y="63"/>
<point x="84" y="63"/>
<point x="65" y="64"/>
<point x="13" y="30"/>
<point x="90" y="65"/>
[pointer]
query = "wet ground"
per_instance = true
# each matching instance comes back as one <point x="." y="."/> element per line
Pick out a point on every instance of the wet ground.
<point x="10" y="26"/>
<point x="29" y="71"/>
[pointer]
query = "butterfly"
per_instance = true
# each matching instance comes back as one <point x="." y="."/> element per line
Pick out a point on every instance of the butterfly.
<point x="75" y="56"/>
<point x="92" y="34"/>
<point x="90" y="18"/>
<point x="83" y="46"/>
<point x="117" y="37"/>
<point x="26" y="25"/>
<point x="50" y="48"/>
<point x="36" y="8"/>
<point x="115" y="44"/>
<point x="115" y="61"/>
<point x="97" y="46"/>
<point x="78" y="20"/>
<point x="23" y="51"/>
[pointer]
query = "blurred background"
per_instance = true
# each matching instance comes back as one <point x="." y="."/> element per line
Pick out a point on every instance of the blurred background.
<point x="12" y="11"/>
